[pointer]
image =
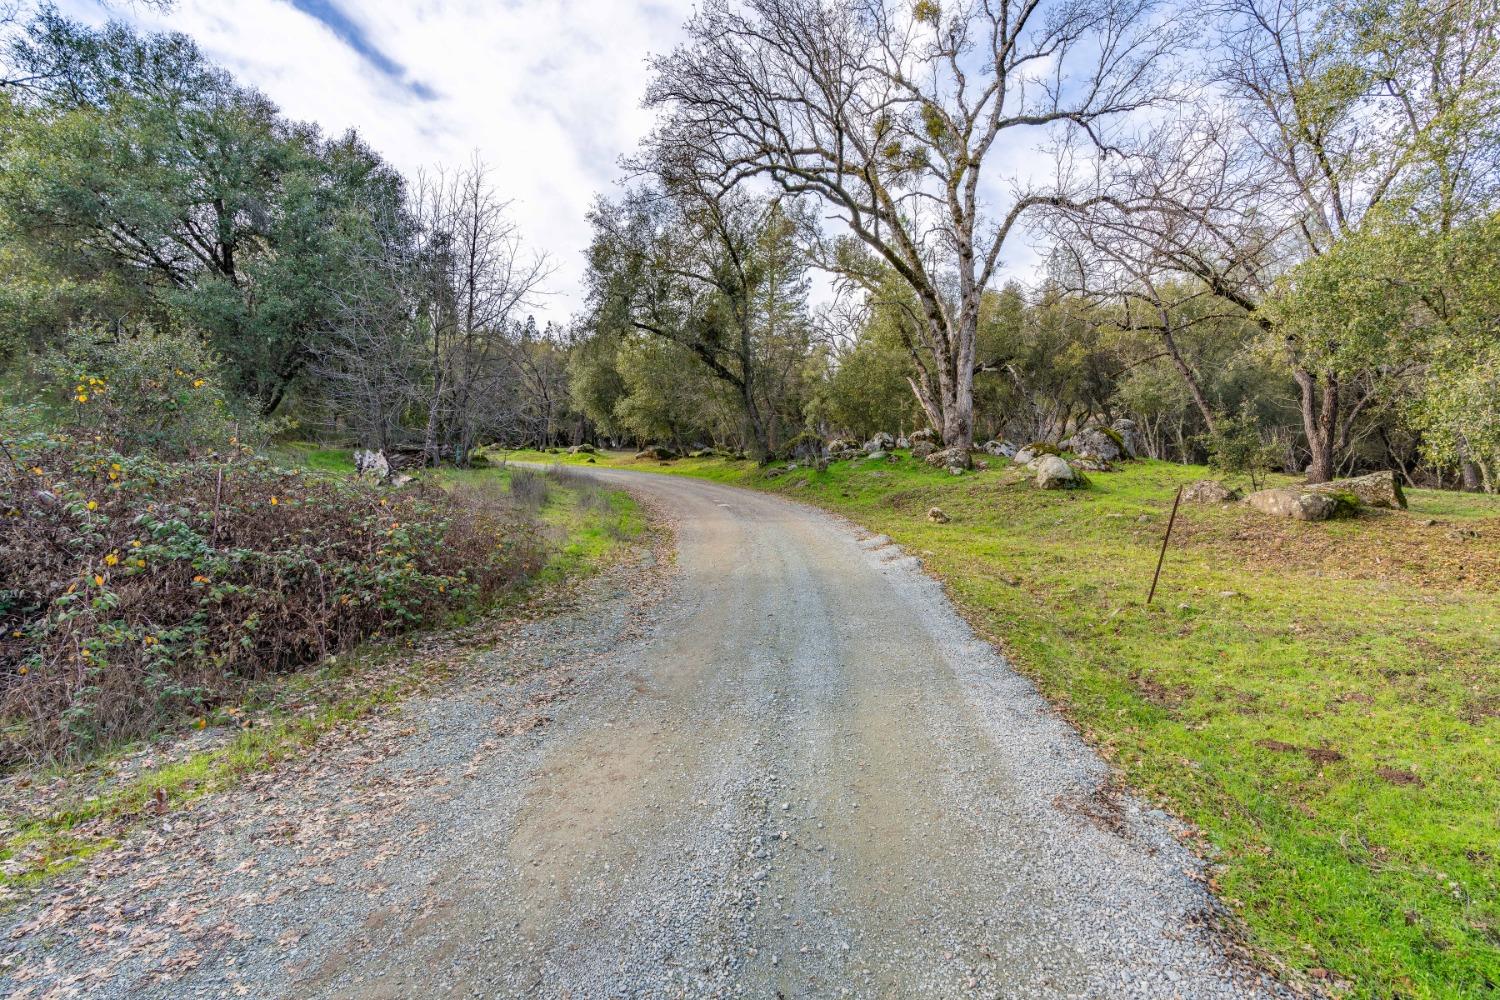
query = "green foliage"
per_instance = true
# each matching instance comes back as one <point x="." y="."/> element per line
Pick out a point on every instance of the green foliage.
<point x="1235" y="448"/>
<point x="147" y="391"/>
<point x="138" y="179"/>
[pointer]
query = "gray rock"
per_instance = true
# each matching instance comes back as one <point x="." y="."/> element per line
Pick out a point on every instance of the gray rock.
<point x="922" y="449"/>
<point x="1378" y="489"/>
<point x="925" y="434"/>
<point x="1052" y="473"/>
<point x="1209" y="491"/>
<point x="1000" y="449"/>
<point x="902" y="442"/>
<point x="1094" y="443"/>
<point x="878" y="455"/>
<point x="880" y="442"/>
<point x="1125" y="427"/>
<point x="950" y="458"/>
<point x="372" y="463"/>
<point x="1294" y="502"/>
<point x="936" y="515"/>
<point x="1024" y="456"/>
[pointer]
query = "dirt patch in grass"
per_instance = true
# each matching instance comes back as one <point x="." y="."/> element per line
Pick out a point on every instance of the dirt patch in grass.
<point x="1318" y="755"/>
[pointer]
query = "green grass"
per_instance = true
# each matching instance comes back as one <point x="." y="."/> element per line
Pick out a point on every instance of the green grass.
<point x="1321" y="700"/>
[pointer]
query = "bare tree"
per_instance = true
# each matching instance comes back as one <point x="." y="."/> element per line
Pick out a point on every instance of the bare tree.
<point x="888" y="112"/>
<point x="427" y="333"/>
<point x="478" y="277"/>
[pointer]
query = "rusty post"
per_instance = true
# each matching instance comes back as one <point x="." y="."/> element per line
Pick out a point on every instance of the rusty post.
<point x="1164" y="538"/>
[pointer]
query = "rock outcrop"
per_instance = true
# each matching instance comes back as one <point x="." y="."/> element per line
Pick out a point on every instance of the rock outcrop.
<point x="1209" y="491"/>
<point x="1052" y="473"/>
<point x="1378" y="489"/>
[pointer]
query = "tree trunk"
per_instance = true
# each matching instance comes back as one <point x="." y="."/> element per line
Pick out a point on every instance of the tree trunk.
<point x="1189" y="376"/>
<point x="1319" y="421"/>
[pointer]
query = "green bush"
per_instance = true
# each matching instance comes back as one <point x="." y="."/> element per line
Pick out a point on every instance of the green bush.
<point x="147" y="391"/>
<point x="138" y="590"/>
<point x="1235" y="447"/>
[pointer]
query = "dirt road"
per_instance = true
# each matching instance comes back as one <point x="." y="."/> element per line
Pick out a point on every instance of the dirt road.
<point x="798" y="774"/>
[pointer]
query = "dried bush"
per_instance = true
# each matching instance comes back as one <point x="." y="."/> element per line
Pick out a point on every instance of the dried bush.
<point x="138" y="590"/>
<point x="528" y="487"/>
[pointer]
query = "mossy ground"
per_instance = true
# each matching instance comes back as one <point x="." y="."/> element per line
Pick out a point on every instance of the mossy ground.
<point x="1321" y="700"/>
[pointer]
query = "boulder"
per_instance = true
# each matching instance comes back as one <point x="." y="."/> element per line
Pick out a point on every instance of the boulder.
<point x="581" y="449"/>
<point x="1095" y="443"/>
<point x="949" y="458"/>
<point x="936" y="515"/>
<point x="1052" y="473"/>
<point x="1000" y="449"/>
<point x="880" y="442"/>
<point x="372" y="463"/>
<point x="925" y="434"/>
<point x="1378" y="489"/>
<point x="902" y="442"/>
<point x="1024" y="457"/>
<point x="1092" y="465"/>
<point x="922" y="449"/>
<point x="1209" y="491"/>
<point x="840" y="445"/>
<point x="1297" y="502"/>
<point x="981" y="465"/>
<point x="879" y="456"/>
<point x="659" y="452"/>
<point x="1125" y="427"/>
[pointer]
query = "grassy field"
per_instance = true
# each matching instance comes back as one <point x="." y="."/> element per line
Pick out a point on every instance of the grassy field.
<point x="53" y="818"/>
<point x="1321" y="700"/>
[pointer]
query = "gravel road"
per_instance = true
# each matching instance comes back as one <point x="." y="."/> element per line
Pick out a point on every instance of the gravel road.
<point x="785" y="768"/>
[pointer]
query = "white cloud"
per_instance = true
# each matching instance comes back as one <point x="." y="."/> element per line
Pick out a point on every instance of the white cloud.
<point x="546" y="91"/>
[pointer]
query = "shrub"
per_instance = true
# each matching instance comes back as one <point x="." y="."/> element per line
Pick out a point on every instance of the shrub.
<point x="1043" y="448"/>
<point x="1235" y="447"/>
<point x="528" y="487"/>
<point x="137" y="591"/>
<point x="149" y="391"/>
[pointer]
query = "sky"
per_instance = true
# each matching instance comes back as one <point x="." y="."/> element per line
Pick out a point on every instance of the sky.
<point x="547" y="93"/>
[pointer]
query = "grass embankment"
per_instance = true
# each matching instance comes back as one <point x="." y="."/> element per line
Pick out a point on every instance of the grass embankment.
<point x="1321" y="700"/>
<point x="61" y="814"/>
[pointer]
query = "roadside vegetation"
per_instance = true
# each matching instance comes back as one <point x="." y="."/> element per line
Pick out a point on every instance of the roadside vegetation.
<point x="1319" y="699"/>
<point x="158" y="689"/>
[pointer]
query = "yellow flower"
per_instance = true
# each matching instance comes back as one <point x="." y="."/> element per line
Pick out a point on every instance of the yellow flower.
<point x="115" y="466"/>
<point x="36" y="470"/>
<point x="82" y="397"/>
<point x="141" y="563"/>
<point x="200" y="578"/>
<point x="198" y="383"/>
<point x="114" y="475"/>
<point x="135" y="544"/>
<point x="98" y="580"/>
<point x="111" y="559"/>
<point x="88" y="652"/>
<point x="23" y="670"/>
<point x="93" y="505"/>
<point x="274" y="501"/>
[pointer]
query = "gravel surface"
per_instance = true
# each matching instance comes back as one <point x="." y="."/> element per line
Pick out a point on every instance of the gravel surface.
<point x="786" y="768"/>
